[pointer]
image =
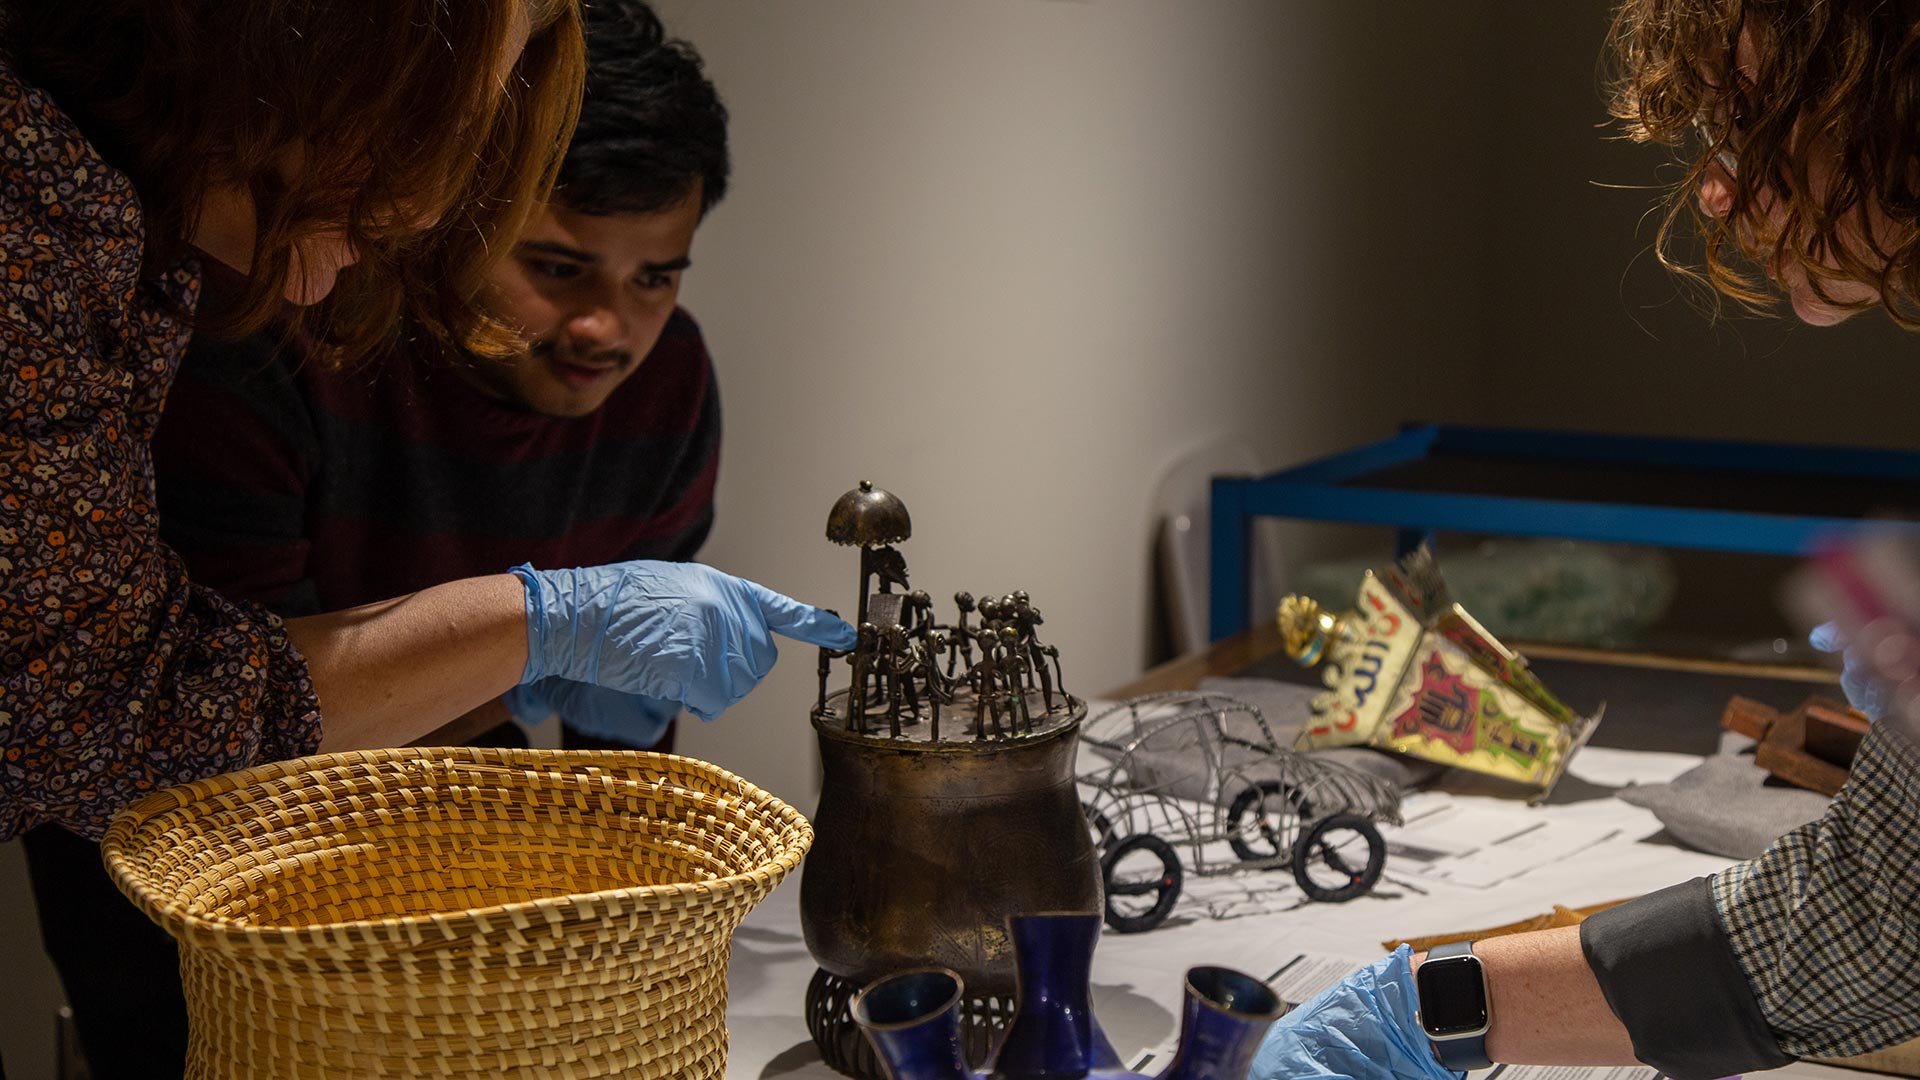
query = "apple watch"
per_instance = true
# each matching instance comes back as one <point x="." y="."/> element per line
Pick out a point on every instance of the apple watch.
<point x="1452" y="988"/>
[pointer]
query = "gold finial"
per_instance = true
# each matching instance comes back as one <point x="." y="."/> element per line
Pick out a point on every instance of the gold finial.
<point x="1306" y="628"/>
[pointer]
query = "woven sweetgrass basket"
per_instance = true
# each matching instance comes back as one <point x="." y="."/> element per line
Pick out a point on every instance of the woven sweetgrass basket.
<point x="457" y="912"/>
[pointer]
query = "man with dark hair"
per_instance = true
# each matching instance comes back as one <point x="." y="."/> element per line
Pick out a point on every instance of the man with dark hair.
<point x="309" y="490"/>
<point x="599" y="442"/>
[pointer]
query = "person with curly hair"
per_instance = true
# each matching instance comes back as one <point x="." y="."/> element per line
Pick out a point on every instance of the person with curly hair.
<point x="1801" y="127"/>
<point x="1800" y="120"/>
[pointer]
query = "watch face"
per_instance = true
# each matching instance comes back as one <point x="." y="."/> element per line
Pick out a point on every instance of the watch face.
<point x="1453" y="999"/>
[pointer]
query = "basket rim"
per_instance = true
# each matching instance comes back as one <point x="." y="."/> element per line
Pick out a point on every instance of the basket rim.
<point x="132" y="881"/>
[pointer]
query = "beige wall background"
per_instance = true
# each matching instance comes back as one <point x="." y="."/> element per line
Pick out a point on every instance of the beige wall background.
<point x="1010" y="258"/>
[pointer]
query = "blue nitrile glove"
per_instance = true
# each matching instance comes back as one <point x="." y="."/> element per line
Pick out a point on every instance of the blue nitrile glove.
<point x="634" y="719"/>
<point x="680" y="632"/>
<point x="1866" y="694"/>
<point x="1362" y="1027"/>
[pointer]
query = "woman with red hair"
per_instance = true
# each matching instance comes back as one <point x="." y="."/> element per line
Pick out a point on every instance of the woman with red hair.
<point x="363" y="161"/>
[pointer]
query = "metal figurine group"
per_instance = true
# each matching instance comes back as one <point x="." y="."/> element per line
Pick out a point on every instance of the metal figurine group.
<point x="907" y="665"/>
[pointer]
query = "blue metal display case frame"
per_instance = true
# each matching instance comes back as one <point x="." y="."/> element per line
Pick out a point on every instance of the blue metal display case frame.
<point x="1326" y="490"/>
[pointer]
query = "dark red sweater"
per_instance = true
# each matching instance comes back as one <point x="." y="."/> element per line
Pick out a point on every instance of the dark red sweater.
<point x="309" y="490"/>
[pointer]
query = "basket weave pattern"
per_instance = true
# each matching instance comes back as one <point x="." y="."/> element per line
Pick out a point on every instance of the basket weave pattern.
<point x="457" y="912"/>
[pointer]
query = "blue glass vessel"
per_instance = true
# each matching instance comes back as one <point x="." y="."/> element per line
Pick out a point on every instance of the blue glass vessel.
<point x="913" y="1018"/>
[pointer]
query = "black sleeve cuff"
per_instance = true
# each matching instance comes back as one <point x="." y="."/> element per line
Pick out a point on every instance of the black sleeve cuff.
<point x="1669" y="973"/>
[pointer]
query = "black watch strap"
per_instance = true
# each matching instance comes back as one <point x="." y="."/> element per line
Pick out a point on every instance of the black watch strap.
<point x="1466" y="1052"/>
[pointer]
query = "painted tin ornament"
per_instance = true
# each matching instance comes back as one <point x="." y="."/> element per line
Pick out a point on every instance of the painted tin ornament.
<point x="1409" y="670"/>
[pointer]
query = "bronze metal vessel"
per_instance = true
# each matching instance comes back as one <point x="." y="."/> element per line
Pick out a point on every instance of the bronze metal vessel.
<point x="948" y="800"/>
<point x="922" y="850"/>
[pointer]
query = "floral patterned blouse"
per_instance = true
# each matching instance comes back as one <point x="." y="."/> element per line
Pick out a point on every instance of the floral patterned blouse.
<point x="118" y="677"/>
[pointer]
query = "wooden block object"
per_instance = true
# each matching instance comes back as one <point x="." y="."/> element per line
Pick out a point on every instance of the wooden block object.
<point x="1833" y="735"/>
<point x="1811" y="747"/>
<point x="1748" y="717"/>
<point x="1784" y="754"/>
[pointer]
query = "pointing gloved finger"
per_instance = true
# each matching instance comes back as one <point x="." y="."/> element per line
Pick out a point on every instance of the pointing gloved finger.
<point x="683" y="632"/>
<point x="1827" y="638"/>
<point x="803" y="622"/>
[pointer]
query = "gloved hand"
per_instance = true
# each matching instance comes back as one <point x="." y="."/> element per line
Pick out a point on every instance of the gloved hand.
<point x="594" y="710"/>
<point x="1362" y="1027"/>
<point x="1867" y="694"/>
<point x="680" y="632"/>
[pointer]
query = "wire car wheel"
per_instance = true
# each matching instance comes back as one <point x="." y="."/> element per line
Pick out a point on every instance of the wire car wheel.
<point x="1260" y="819"/>
<point x="1338" y="858"/>
<point x="1141" y="893"/>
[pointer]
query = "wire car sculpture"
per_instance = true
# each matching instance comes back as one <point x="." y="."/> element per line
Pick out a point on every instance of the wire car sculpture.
<point x="1193" y="771"/>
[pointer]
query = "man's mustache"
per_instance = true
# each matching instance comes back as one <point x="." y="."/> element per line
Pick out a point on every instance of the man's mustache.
<point x="561" y="350"/>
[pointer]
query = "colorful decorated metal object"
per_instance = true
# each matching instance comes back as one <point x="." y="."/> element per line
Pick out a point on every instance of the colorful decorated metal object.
<point x="913" y="1018"/>
<point x="1409" y="670"/>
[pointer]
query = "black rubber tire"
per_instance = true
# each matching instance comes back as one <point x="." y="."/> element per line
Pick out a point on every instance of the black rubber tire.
<point x="1312" y="845"/>
<point x="1167" y="889"/>
<point x="1255" y="795"/>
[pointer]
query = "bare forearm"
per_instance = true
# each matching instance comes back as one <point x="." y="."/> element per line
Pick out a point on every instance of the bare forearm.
<point x="1545" y="1005"/>
<point x="390" y="673"/>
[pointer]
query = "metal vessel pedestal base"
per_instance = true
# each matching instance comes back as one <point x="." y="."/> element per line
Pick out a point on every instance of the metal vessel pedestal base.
<point x="845" y="1049"/>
